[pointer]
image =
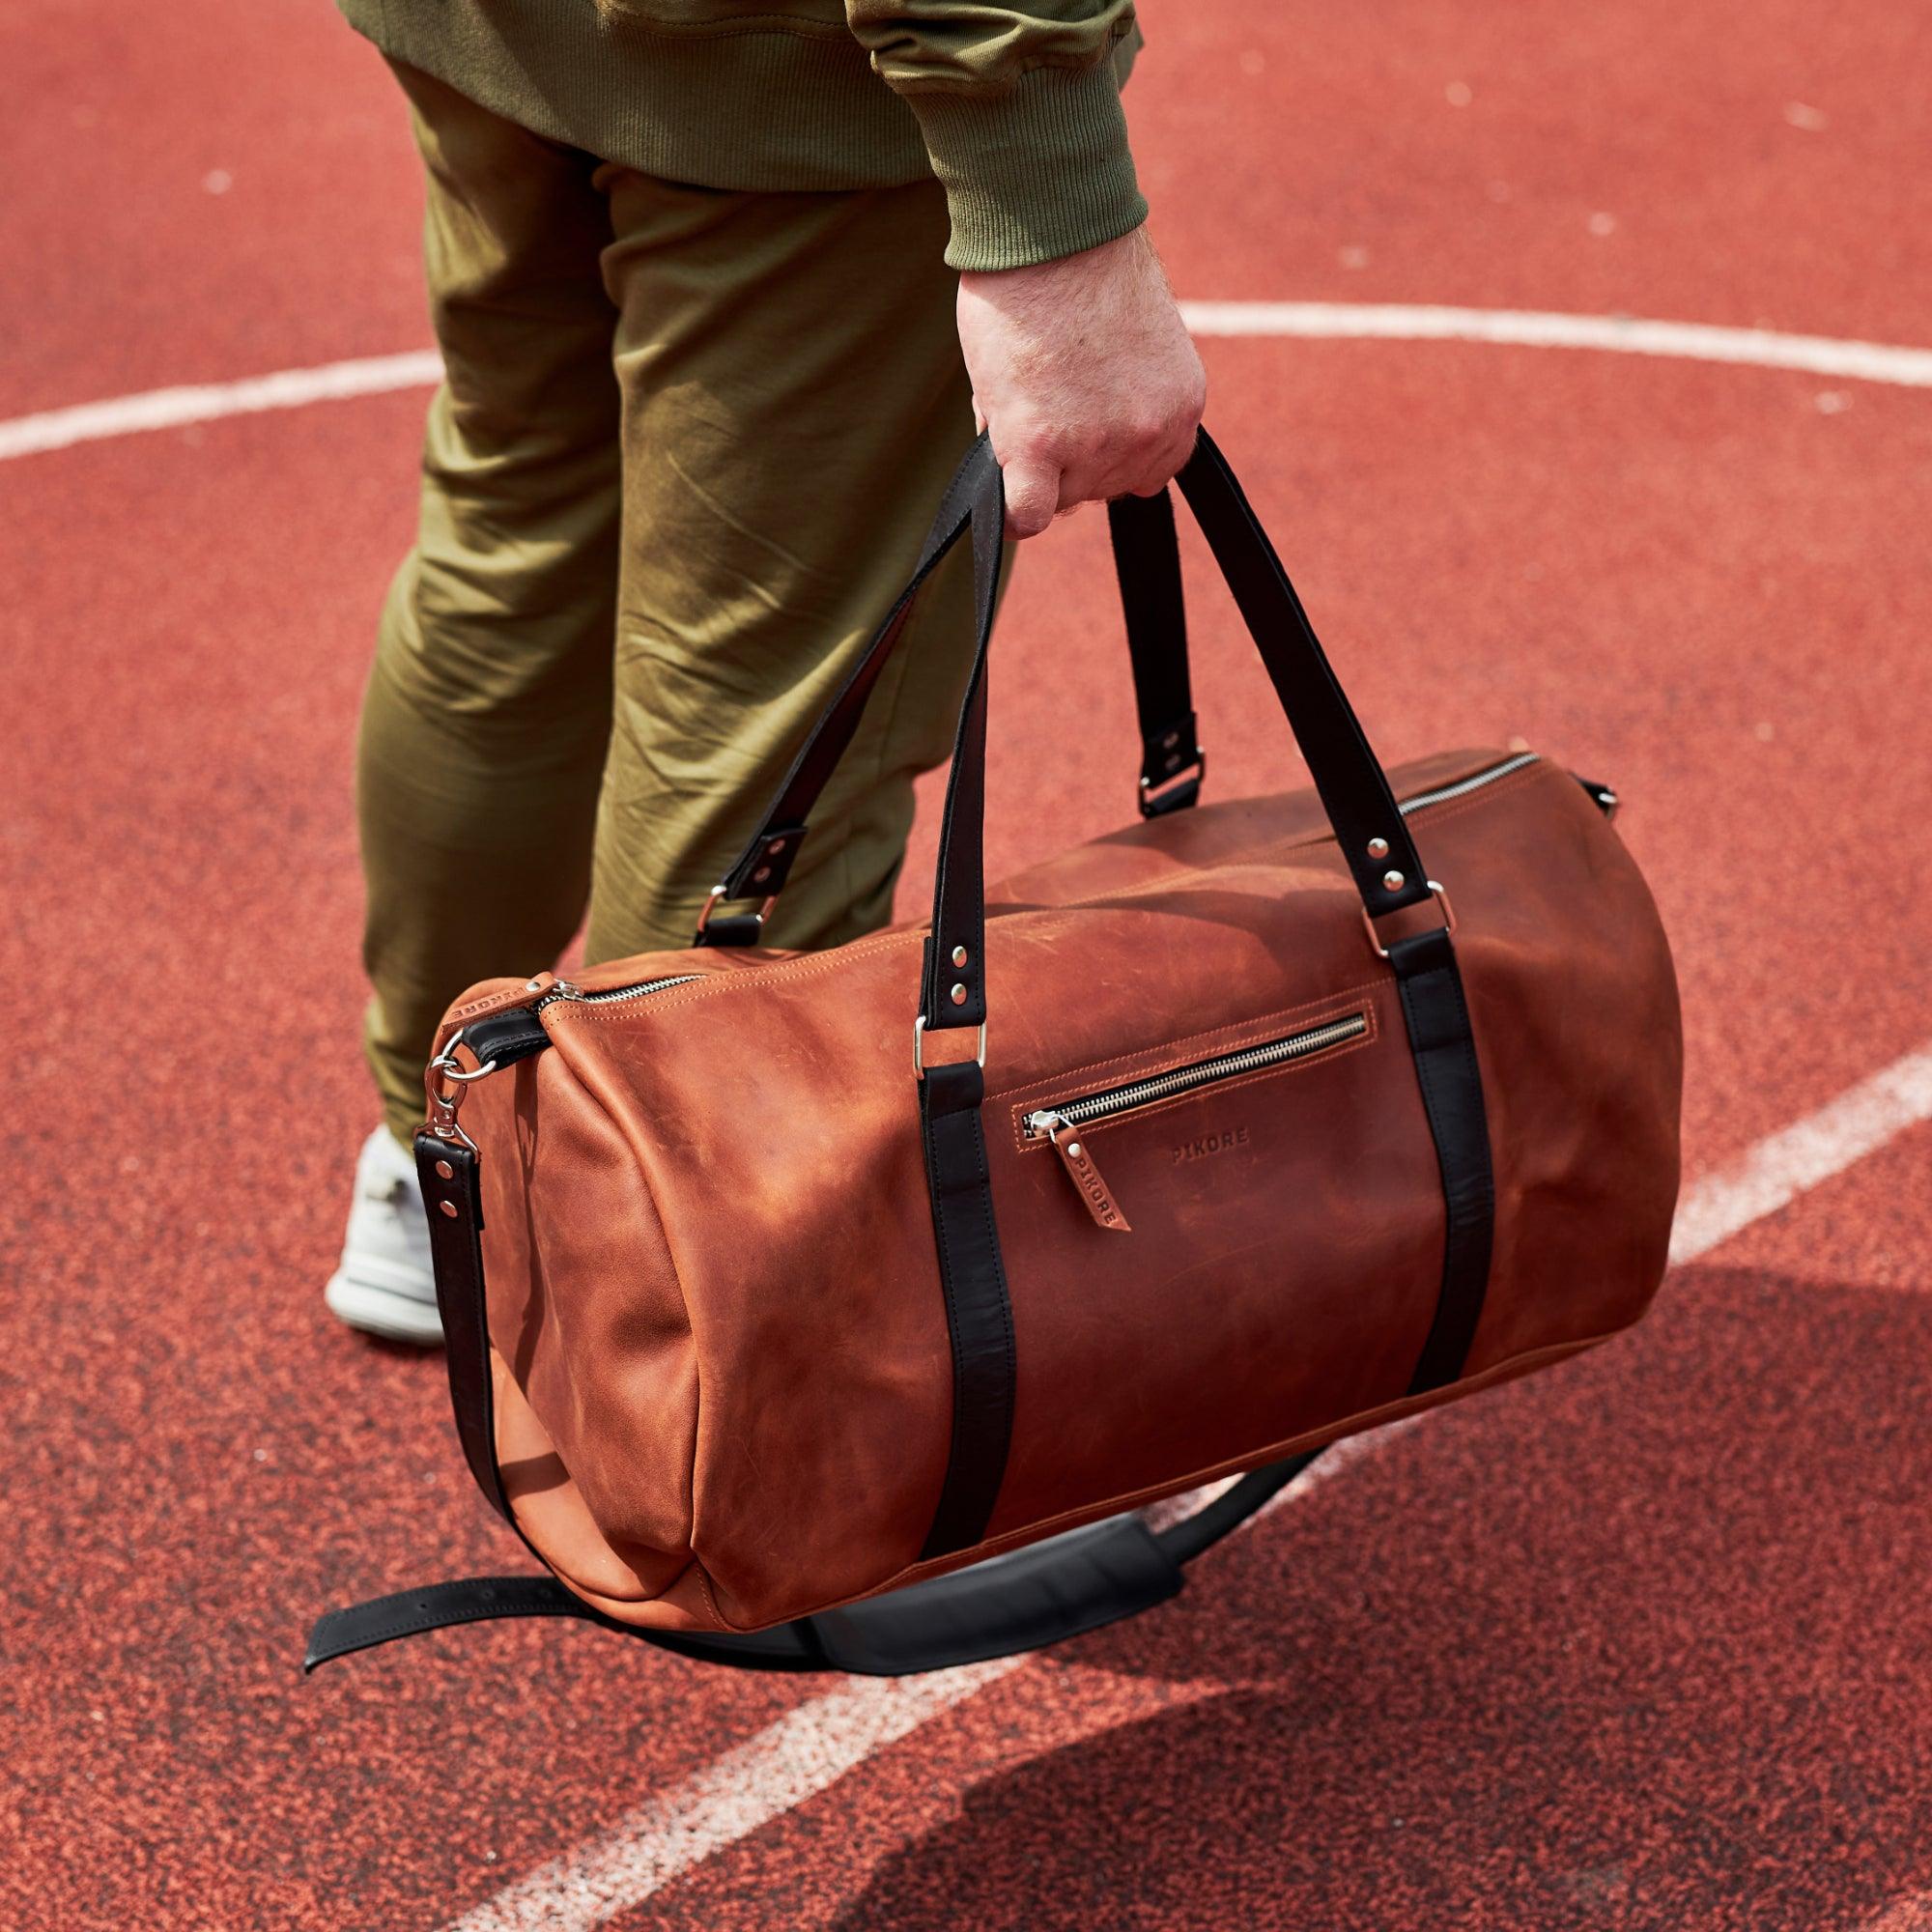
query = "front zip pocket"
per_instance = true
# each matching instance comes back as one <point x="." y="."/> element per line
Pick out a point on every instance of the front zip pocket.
<point x="1065" y="1123"/>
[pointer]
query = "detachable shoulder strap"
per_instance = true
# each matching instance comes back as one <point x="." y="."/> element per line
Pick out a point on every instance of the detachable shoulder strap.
<point x="1042" y="1593"/>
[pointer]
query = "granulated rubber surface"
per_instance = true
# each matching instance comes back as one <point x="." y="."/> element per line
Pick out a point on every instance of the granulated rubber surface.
<point x="1641" y="1643"/>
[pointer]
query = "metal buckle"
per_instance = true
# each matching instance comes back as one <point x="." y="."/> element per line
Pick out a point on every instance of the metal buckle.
<point x="919" y="1045"/>
<point x="1441" y="898"/>
<point x="722" y="893"/>
<point x="1158" y="796"/>
<point x="444" y="1079"/>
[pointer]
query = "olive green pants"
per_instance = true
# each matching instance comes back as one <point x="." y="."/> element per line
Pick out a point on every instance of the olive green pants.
<point x="687" y="448"/>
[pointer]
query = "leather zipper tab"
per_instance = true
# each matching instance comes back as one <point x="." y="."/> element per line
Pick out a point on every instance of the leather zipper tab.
<point x="1078" y="1157"/>
<point x="506" y="999"/>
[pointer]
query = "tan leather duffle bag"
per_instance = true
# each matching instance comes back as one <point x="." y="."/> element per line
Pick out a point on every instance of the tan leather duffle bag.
<point x="775" y="1281"/>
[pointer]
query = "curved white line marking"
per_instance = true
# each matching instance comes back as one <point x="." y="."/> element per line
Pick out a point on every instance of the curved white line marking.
<point x="203" y="402"/>
<point x="817" y="1742"/>
<point x="1528" y="328"/>
<point x="810" y="1748"/>
<point x="1341" y="322"/>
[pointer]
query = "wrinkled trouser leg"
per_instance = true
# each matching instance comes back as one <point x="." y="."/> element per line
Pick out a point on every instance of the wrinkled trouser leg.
<point x="631" y="593"/>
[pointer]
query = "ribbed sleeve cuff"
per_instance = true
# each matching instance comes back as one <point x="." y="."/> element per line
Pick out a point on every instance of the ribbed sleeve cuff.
<point x="1039" y="170"/>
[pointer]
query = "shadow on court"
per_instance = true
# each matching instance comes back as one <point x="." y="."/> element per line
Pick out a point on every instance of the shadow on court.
<point x="1640" y="1644"/>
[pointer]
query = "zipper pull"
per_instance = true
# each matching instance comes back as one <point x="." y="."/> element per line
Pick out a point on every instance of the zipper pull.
<point x="506" y="999"/>
<point x="1077" y="1157"/>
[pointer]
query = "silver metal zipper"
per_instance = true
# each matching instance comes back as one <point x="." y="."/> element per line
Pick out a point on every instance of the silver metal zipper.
<point x="1475" y="782"/>
<point x="564" y="989"/>
<point x="1045" y="1122"/>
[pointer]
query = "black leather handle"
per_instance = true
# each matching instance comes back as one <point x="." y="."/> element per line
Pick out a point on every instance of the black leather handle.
<point x="1146" y="562"/>
<point x="767" y="860"/>
<point x="953" y="981"/>
<point x="1353" y="790"/>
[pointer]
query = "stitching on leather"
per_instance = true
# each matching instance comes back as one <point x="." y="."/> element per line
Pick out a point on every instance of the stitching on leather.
<point x="717" y="1616"/>
<point x="810" y="965"/>
<point x="367" y="1639"/>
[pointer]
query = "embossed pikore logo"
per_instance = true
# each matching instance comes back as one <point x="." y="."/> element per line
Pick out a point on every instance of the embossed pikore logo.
<point x="1204" y="1145"/>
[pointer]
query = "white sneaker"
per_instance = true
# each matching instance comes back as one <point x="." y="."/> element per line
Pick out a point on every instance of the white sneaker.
<point x="386" y="1284"/>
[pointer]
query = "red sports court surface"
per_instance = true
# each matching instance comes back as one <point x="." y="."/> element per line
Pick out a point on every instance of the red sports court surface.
<point x="1641" y="1643"/>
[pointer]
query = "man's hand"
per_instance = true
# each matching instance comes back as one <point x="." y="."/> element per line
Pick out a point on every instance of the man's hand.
<point x="1083" y="371"/>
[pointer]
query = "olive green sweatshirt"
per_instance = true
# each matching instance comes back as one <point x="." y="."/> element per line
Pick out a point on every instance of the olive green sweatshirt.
<point x="1014" y="104"/>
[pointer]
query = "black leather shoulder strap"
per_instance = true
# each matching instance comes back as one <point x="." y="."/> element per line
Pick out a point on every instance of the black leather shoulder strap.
<point x="979" y="1310"/>
<point x="1443" y="1043"/>
<point x="1042" y="1593"/>
<point x="450" y="1173"/>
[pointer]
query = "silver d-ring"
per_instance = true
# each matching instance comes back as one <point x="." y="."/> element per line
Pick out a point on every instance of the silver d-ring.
<point x="1441" y="900"/>
<point x="719" y="896"/>
<point x="452" y="1070"/>
<point x="443" y="1082"/>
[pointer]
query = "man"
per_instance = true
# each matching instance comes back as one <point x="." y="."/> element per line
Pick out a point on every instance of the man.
<point x="812" y="239"/>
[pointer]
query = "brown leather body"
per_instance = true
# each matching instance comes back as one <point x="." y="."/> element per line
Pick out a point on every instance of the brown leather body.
<point x="722" y="1370"/>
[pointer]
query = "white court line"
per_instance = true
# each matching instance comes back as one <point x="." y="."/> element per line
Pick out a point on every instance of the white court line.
<point x="205" y="402"/>
<point x="1531" y="329"/>
<point x="1345" y="322"/>
<point x="1784" y="1165"/>
<point x="815" y="1744"/>
<point x="1910" y="1914"/>
<point x="785" y="1764"/>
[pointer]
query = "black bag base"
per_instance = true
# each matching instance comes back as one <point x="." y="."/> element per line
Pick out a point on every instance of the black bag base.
<point x="1022" y="1601"/>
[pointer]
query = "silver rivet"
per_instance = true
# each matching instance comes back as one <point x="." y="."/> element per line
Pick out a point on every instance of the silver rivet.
<point x="959" y="994"/>
<point x="958" y="955"/>
<point x="759" y="877"/>
<point x="529" y="985"/>
<point x="443" y="1168"/>
<point x="777" y="846"/>
<point x="1073" y="1149"/>
<point x="1378" y="849"/>
<point x="448" y="1207"/>
<point x="1392" y="880"/>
